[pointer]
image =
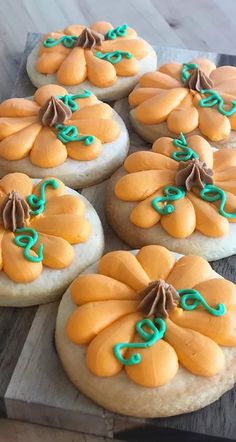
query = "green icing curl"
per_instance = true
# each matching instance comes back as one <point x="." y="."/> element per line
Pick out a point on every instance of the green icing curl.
<point x="68" y="99"/>
<point x="37" y="204"/>
<point x="196" y="299"/>
<point x="66" y="40"/>
<point x="186" y="153"/>
<point x="120" y="31"/>
<point x="113" y="57"/>
<point x="171" y="193"/>
<point x="70" y="133"/>
<point x="27" y="240"/>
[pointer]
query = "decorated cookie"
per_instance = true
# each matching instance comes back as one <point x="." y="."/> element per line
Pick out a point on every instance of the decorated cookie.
<point x="49" y="234"/>
<point x="181" y="195"/>
<point x="73" y="137"/>
<point x="149" y="334"/>
<point x="194" y="98"/>
<point x="109" y="61"/>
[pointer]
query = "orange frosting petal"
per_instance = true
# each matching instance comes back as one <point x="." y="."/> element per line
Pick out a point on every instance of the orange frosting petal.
<point x="139" y="185"/>
<point x="208" y="220"/>
<point x="157" y="261"/>
<point x="173" y="69"/>
<point x="73" y="69"/>
<point x="101" y="73"/>
<point x="79" y="151"/>
<point x="127" y="67"/>
<point x="146" y="160"/>
<point x="48" y="150"/>
<point x="18" y="107"/>
<point x="164" y="146"/>
<point x="57" y="253"/>
<point x="49" y="63"/>
<point x="138" y="48"/>
<point x="84" y="102"/>
<point x="182" y="222"/>
<point x="221" y="329"/>
<point x="73" y="228"/>
<point x="143" y="215"/>
<point x="19" y="182"/>
<point x="150" y="373"/>
<point x="49" y="191"/>
<point x="18" y="146"/>
<point x="73" y="29"/>
<point x="225" y="175"/>
<point x="90" y="319"/>
<point x="101" y="26"/>
<point x="139" y="95"/>
<point x="15" y="265"/>
<point x="184" y="118"/>
<point x="105" y="129"/>
<point x="228" y="186"/>
<point x="218" y="290"/>
<point x="45" y="92"/>
<point x="156" y="109"/>
<point x="230" y="205"/>
<point x="124" y="267"/>
<point x="9" y="126"/>
<point x="212" y="123"/>
<point x="202" y="147"/>
<point x="222" y="75"/>
<point x="224" y="158"/>
<point x="159" y="80"/>
<point x="100" y="355"/>
<point x="199" y="354"/>
<point x="99" y="110"/>
<point x="189" y="271"/>
<point x="67" y="204"/>
<point x="2" y="231"/>
<point x="94" y="287"/>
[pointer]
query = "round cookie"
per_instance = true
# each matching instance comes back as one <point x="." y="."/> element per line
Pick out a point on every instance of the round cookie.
<point x="76" y="138"/>
<point x="190" y="358"/>
<point x="108" y="61"/>
<point x="181" y="195"/>
<point x="196" y="98"/>
<point x="49" y="234"/>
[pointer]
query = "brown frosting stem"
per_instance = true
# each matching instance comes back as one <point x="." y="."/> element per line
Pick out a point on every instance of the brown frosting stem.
<point x="158" y="299"/>
<point x="14" y="211"/>
<point x="89" y="39"/>
<point x="198" y="80"/>
<point x="193" y="173"/>
<point x="53" y="112"/>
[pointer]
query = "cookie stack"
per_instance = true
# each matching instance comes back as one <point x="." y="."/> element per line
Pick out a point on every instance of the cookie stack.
<point x="154" y="328"/>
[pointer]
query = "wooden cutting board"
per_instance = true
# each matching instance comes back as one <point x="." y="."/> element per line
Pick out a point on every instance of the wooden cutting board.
<point x="33" y="386"/>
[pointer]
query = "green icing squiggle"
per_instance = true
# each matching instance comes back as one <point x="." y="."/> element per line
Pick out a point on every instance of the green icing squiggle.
<point x="211" y="193"/>
<point x="185" y="71"/>
<point x="196" y="299"/>
<point x="120" y="31"/>
<point x="157" y="327"/>
<point x="187" y="153"/>
<point x="66" y="40"/>
<point x="170" y="193"/>
<point x="70" y="133"/>
<point x="212" y="98"/>
<point x="68" y="100"/>
<point x="113" y="57"/>
<point x="27" y="240"/>
<point x="37" y="204"/>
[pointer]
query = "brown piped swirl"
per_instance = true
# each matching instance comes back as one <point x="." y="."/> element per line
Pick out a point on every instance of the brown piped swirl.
<point x="198" y="80"/>
<point x="89" y="39"/>
<point x="14" y="211"/>
<point x="159" y="298"/>
<point x="193" y="173"/>
<point x="53" y="112"/>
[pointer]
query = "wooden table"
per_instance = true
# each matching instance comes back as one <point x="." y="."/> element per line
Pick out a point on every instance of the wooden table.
<point x="33" y="386"/>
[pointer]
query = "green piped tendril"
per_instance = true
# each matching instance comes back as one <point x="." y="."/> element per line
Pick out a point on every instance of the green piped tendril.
<point x="68" y="100"/>
<point x="66" y="40"/>
<point x="120" y="31"/>
<point x="170" y="193"/>
<point x="185" y="71"/>
<point x="70" y="133"/>
<point x="186" y="153"/>
<point x="113" y="57"/>
<point x="214" y="99"/>
<point x="190" y="299"/>
<point x="211" y="194"/>
<point x="37" y="204"/>
<point x="27" y="240"/>
<point x="157" y="327"/>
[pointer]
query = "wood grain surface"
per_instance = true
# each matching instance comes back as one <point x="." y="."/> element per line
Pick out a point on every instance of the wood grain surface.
<point x="33" y="386"/>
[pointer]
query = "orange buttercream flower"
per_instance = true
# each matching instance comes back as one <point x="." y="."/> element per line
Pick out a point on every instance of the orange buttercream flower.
<point x="165" y="96"/>
<point x="25" y="131"/>
<point x="77" y="61"/>
<point x="109" y="310"/>
<point x="59" y="225"/>
<point x="147" y="174"/>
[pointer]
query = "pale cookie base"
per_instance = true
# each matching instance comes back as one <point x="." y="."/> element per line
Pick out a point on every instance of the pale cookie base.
<point x="121" y="88"/>
<point x="185" y="393"/>
<point x="118" y="214"/>
<point x="51" y="284"/>
<point x="78" y="174"/>
<point x="150" y="133"/>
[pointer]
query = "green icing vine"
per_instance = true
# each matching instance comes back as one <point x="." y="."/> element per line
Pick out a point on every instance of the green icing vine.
<point x="186" y="153"/>
<point x="196" y="299"/>
<point x="113" y="57"/>
<point x="120" y="31"/>
<point x="68" y="100"/>
<point x="27" y="240"/>
<point x="66" y="40"/>
<point x="70" y="133"/>
<point x="37" y="204"/>
<point x="171" y="193"/>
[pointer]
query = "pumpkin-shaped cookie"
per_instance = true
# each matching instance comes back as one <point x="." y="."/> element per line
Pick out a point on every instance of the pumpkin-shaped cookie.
<point x="73" y="137"/>
<point x="48" y="233"/>
<point x="107" y="60"/>
<point x="181" y="195"/>
<point x="194" y="98"/>
<point x="149" y="334"/>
